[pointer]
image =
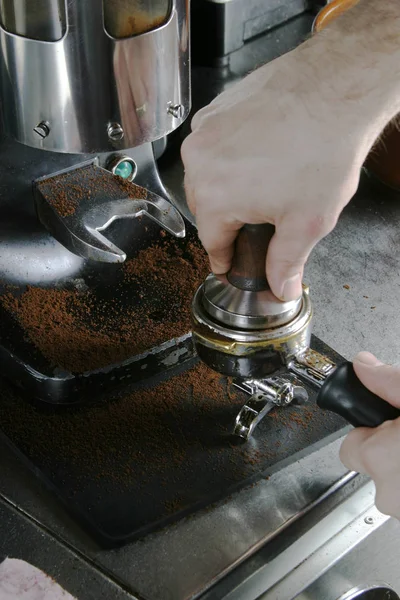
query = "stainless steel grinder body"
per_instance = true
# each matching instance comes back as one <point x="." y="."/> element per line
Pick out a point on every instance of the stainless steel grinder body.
<point x="93" y="76"/>
<point x="101" y="82"/>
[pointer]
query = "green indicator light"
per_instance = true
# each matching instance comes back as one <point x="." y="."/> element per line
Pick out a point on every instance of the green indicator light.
<point x="124" y="169"/>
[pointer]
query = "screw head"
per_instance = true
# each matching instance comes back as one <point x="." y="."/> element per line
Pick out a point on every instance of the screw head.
<point x="42" y="130"/>
<point x="115" y="132"/>
<point x="369" y="520"/>
<point x="176" y="110"/>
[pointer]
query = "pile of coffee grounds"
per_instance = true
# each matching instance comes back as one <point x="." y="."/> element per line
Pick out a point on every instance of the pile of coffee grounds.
<point x="66" y="191"/>
<point x="172" y="440"/>
<point x="149" y="304"/>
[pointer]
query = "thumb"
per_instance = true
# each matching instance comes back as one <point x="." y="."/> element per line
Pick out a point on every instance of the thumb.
<point x="289" y="250"/>
<point x="218" y="239"/>
<point x="287" y="255"/>
<point x="383" y="380"/>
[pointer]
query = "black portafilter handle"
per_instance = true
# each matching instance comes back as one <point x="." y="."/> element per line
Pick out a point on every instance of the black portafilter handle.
<point x="344" y="394"/>
<point x="249" y="260"/>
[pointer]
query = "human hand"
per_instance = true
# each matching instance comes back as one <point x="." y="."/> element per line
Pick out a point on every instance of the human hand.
<point x="287" y="143"/>
<point x="375" y="452"/>
<point x="265" y="151"/>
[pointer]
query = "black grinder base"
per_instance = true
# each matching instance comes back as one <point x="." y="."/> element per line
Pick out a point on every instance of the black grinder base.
<point x="154" y="455"/>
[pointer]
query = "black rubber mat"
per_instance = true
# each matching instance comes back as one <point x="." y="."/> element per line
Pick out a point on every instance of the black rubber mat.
<point x="129" y="465"/>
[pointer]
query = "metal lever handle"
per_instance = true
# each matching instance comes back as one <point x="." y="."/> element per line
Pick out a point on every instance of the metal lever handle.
<point x="344" y="394"/>
<point x="249" y="260"/>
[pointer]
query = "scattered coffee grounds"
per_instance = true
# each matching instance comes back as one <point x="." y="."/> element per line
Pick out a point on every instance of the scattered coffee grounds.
<point x="141" y="428"/>
<point x="132" y="464"/>
<point x="83" y="330"/>
<point x="66" y="191"/>
<point x="147" y="435"/>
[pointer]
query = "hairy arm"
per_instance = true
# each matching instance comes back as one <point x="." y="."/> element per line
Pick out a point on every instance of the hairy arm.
<point x="357" y="58"/>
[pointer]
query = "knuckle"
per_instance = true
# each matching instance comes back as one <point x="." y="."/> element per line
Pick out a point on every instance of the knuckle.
<point x="320" y="225"/>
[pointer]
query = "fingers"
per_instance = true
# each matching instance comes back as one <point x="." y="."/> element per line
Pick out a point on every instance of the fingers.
<point x="288" y="252"/>
<point x="351" y="451"/>
<point x="285" y="263"/>
<point x="375" y="452"/>
<point x="382" y="380"/>
<point x="190" y="196"/>
<point x="217" y="238"/>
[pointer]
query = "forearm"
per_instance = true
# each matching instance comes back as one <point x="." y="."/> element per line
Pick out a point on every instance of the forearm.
<point x="353" y="68"/>
<point x="361" y="55"/>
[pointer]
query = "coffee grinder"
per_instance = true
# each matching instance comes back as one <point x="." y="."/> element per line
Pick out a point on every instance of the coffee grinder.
<point x="90" y="92"/>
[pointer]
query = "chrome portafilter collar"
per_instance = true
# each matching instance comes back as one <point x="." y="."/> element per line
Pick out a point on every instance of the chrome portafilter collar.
<point x="239" y="327"/>
<point x="249" y="352"/>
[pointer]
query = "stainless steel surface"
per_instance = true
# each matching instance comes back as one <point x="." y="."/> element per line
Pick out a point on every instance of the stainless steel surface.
<point x="314" y="552"/>
<point x="83" y="231"/>
<point x="124" y="18"/>
<point x="243" y="309"/>
<point x="87" y="80"/>
<point x="288" y="340"/>
<point x="372" y="562"/>
<point x="185" y="559"/>
<point x="40" y="20"/>
<point x="266" y="394"/>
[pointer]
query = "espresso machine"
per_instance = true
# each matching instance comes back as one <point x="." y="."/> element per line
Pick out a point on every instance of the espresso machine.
<point x="90" y="92"/>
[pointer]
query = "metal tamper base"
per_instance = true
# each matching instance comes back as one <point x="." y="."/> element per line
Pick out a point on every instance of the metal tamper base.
<point x="240" y="328"/>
